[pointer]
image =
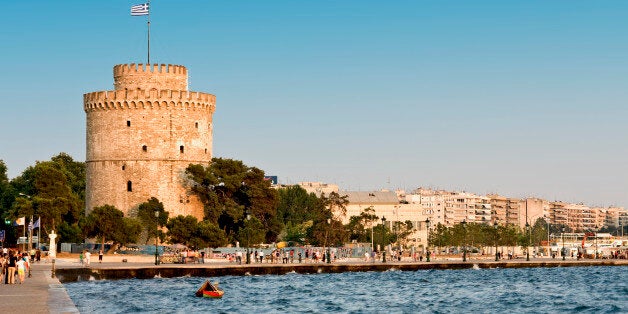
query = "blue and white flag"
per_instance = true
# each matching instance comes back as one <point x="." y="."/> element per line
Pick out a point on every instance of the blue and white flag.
<point x="139" y="9"/>
<point x="30" y="225"/>
<point x="37" y="223"/>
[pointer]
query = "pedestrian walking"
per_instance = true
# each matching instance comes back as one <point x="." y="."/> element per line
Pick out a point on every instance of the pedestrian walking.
<point x="88" y="257"/>
<point x="100" y="256"/>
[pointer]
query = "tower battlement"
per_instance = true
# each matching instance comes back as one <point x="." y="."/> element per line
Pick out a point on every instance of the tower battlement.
<point x="139" y="98"/>
<point x="150" y="76"/>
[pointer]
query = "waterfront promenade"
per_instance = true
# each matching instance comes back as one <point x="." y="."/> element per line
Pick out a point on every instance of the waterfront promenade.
<point x="38" y="294"/>
<point x="43" y="294"/>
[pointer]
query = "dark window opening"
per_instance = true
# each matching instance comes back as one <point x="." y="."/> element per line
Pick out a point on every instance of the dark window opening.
<point x="123" y="167"/>
<point x="196" y="124"/>
<point x="128" y="123"/>
<point x="181" y="149"/>
<point x="129" y="186"/>
<point x="205" y="150"/>
<point x="145" y="148"/>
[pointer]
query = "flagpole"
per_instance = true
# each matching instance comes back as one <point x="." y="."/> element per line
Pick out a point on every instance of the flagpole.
<point x="30" y="236"/>
<point x="39" y="233"/>
<point x="148" y="23"/>
<point x="24" y="233"/>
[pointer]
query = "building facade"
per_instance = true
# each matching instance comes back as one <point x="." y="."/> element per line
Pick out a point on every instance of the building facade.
<point x="143" y="135"/>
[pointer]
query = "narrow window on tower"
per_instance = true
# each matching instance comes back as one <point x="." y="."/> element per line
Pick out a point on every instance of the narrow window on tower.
<point x="196" y="125"/>
<point x="145" y="148"/>
<point x="181" y="149"/>
<point x="128" y="122"/>
<point x="205" y="150"/>
<point x="123" y="167"/>
<point x="129" y="186"/>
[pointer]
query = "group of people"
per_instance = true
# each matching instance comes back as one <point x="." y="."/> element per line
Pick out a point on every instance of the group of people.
<point x="14" y="266"/>
<point x="284" y="256"/>
<point x="85" y="257"/>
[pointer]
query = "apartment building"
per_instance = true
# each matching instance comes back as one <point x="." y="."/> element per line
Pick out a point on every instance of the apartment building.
<point x="387" y="205"/>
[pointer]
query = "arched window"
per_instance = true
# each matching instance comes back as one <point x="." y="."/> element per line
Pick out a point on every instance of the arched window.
<point x="145" y="148"/>
<point x="129" y="186"/>
<point x="181" y="149"/>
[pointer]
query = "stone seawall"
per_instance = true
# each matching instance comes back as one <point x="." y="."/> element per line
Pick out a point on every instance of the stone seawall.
<point x="209" y="270"/>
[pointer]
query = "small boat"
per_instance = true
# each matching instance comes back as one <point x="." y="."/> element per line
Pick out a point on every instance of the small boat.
<point x="208" y="290"/>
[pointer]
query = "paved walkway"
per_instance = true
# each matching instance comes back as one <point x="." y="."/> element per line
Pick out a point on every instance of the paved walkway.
<point x="38" y="294"/>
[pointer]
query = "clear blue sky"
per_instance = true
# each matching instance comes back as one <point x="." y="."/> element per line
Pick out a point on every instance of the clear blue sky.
<point x="520" y="98"/>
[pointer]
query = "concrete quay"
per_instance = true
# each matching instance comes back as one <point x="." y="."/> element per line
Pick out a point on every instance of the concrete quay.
<point x="38" y="294"/>
<point x="144" y="268"/>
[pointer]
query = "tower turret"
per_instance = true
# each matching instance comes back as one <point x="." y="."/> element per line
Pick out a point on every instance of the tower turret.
<point x="141" y="137"/>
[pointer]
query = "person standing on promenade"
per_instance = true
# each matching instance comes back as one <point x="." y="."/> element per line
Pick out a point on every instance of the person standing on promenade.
<point x="3" y="266"/>
<point x="88" y="257"/>
<point x="100" y="256"/>
<point x="11" y="268"/>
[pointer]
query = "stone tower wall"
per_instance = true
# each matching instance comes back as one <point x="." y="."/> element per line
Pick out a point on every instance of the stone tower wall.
<point x="142" y="136"/>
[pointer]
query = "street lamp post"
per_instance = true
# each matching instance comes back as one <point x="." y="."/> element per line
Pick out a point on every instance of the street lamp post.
<point x="427" y="251"/>
<point x="548" y="235"/>
<point x="464" y="243"/>
<point x="328" y="253"/>
<point x="495" y="225"/>
<point x="596" y="228"/>
<point x="372" y="241"/>
<point x="528" y="242"/>
<point x="562" y="235"/>
<point x="622" y="230"/>
<point x="383" y="234"/>
<point x="248" y="253"/>
<point x="156" y="237"/>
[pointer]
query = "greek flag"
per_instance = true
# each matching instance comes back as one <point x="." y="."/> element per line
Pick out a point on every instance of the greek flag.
<point x="139" y="9"/>
<point x="30" y="225"/>
<point x="37" y="223"/>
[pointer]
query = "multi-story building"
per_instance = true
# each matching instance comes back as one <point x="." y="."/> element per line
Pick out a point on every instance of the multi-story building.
<point x="319" y="188"/>
<point x="387" y="205"/>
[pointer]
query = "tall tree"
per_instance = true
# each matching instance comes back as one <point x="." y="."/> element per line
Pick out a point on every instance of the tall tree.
<point x="150" y="223"/>
<point x="181" y="229"/>
<point x="228" y="188"/>
<point x="106" y="222"/>
<point x="336" y="204"/>
<point x="56" y="189"/>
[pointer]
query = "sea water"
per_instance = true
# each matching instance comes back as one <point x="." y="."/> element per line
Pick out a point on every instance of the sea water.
<point x="522" y="290"/>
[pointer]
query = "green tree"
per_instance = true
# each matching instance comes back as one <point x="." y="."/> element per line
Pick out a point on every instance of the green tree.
<point x="131" y="231"/>
<point x="336" y="204"/>
<point x="539" y="232"/>
<point x="106" y="222"/>
<point x="228" y="188"/>
<point x="208" y="234"/>
<point x="151" y="224"/>
<point x="181" y="229"/>
<point x="359" y="227"/>
<point x="56" y="189"/>
<point x="252" y="232"/>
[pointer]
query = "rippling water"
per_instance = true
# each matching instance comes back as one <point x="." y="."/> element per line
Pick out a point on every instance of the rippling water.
<point x="524" y="290"/>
